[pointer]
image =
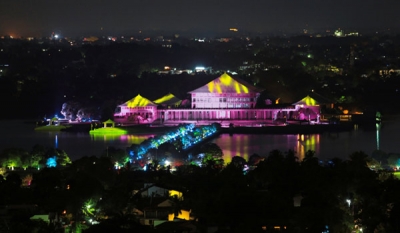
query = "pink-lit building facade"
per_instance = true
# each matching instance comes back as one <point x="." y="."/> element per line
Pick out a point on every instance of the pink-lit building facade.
<point x="225" y="100"/>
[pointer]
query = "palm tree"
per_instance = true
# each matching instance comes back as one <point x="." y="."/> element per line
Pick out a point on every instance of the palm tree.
<point x="176" y="205"/>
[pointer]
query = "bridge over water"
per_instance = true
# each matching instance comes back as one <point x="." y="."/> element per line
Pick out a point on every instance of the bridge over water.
<point x="189" y="136"/>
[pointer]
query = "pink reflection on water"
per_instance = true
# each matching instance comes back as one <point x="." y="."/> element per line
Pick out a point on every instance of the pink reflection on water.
<point x="135" y="139"/>
<point x="244" y="145"/>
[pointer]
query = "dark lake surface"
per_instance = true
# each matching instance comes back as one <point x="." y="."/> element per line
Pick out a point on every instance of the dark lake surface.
<point x="367" y="138"/>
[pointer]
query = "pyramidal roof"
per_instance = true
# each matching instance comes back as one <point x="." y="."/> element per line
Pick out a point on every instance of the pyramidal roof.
<point x="109" y="121"/>
<point x="307" y="101"/>
<point x="139" y="101"/>
<point x="168" y="99"/>
<point x="227" y="84"/>
<point x="319" y="98"/>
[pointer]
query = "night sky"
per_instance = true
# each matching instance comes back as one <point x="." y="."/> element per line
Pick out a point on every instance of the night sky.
<point x="85" y="17"/>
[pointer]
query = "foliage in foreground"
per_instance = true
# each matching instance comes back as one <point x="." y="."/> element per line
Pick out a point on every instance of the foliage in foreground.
<point x="243" y="195"/>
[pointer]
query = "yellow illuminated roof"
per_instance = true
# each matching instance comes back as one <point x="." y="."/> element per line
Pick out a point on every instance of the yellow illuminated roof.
<point x="168" y="99"/>
<point x="227" y="84"/>
<point x="109" y="121"/>
<point x="307" y="101"/>
<point x="138" y="101"/>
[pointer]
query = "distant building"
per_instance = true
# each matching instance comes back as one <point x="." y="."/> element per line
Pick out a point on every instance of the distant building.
<point x="389" y="72"/>
<point x="341" y="33"/>
<point x="225" y="100"/>
<point x="3" y="69"/>
<point x="170" y="70"/>
<point x="199" y="69"/>
<point x="136" y="110"/>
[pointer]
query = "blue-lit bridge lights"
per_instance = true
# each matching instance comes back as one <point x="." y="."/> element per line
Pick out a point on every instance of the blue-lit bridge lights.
<point x="188" y="135"/>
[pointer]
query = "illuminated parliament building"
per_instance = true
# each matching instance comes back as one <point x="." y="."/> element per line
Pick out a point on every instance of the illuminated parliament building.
<point x="224" y="100"/>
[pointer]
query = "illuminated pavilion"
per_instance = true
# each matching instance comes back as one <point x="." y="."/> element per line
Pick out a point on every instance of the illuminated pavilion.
<point x="224" y="100"/>
<point x="138" y="110"/>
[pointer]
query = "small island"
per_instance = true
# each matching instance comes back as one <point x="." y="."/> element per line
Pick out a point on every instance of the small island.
<point x="53" y="125"/>
<point x="108" y="128"/>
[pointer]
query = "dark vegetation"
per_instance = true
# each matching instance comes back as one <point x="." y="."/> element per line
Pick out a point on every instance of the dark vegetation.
<point x="39" y="76"/>
<point x="242" y="196"/>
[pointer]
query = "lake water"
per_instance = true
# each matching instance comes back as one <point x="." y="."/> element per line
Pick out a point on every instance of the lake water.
<point x="385" y="137"/>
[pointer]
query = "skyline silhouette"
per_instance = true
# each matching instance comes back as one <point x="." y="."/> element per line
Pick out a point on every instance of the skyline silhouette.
<point x="74" y="18"/>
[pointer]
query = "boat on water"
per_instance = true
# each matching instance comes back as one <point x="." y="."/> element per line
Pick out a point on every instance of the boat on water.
<point x="108" y="129"/>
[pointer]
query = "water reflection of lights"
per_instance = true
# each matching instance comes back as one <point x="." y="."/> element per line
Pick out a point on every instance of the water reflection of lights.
<point x="378" y="129"/>
<point x="135" y="139"/>
<point x="306" y="143"/>
<point x="104" y="137"/>
<point x="56" y="141"/>
<point x="242" y="145"/>
<point x="236" y="147"/>
<point x="131" y="139"/>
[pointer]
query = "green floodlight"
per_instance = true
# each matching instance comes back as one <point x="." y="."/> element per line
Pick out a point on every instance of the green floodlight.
<point x="397" y="175"/>
<point x="108" y="131"/>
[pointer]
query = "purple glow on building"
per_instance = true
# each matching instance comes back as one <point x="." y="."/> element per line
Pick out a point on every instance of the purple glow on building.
<point x="224" y="100"/>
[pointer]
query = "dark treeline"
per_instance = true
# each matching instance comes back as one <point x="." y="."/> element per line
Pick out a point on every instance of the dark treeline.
<point x="39" y="76"/>
<point x="303" y="196"/>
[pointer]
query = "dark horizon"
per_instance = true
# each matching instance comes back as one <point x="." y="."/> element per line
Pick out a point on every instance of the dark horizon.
<point x="41" y="18"/>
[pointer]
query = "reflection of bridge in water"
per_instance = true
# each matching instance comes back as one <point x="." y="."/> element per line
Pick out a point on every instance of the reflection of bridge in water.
<point x="378" y="129"/>
<point x="243" y="144"/>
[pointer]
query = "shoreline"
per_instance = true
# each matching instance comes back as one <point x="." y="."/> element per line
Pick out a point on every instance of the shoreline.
<point x="291" y="129"/>
<point x="270" y="129"/>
